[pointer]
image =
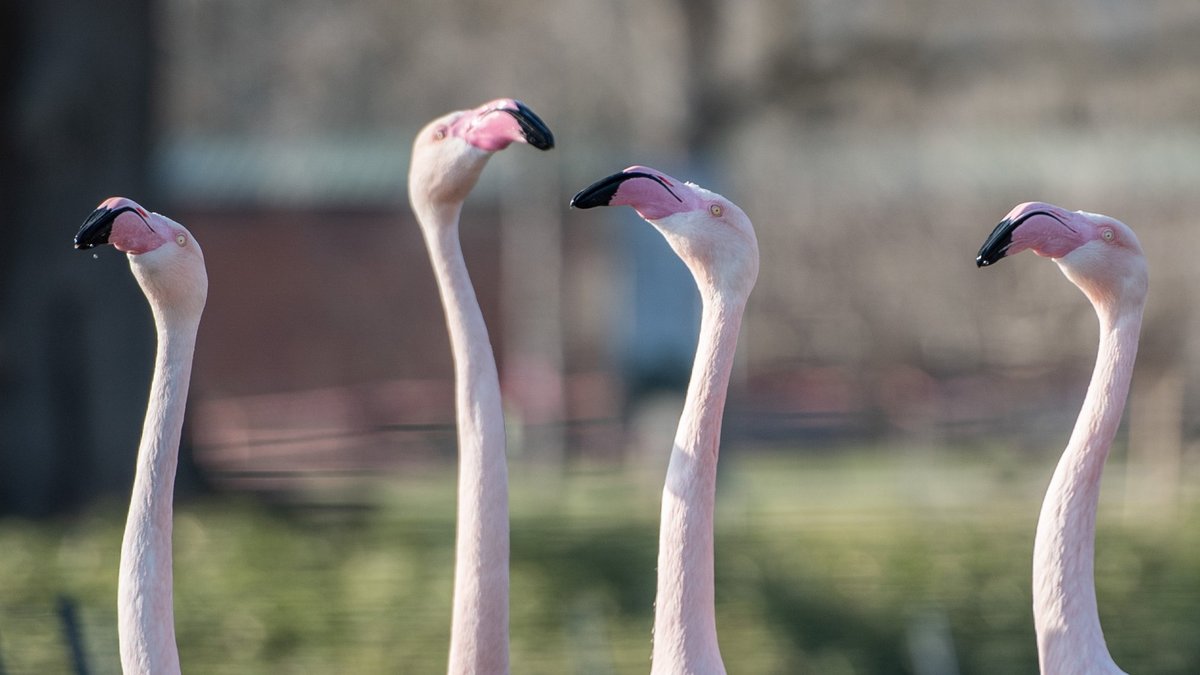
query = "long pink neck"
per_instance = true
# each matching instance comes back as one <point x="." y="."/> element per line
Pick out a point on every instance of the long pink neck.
<point x="685" y="625"/>
<point x="479" y="626"/>
<point x="145" y="619"/>
<point x="1069" y="637"/>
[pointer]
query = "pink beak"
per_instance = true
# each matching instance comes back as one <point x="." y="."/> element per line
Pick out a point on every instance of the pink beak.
<point x="494" y="126"/>
<point x="652" y="193"/>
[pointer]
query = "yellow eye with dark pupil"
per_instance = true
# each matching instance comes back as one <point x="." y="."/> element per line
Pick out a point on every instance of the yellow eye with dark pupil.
<point x="180" y="239"/>
<point x="1108" y="235"/>
<point x="439" y="134"/>
<point x="715" y="209"/>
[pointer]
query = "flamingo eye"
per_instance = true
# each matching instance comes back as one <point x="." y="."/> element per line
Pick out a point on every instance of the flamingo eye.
<point x="715" y="209"/>
<point x="440" y="134"/>
<point x="1108" y="234"/>
<point x="181" y="240"/>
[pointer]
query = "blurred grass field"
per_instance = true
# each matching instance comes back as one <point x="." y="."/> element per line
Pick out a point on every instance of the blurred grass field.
<point x="838" y="563"/>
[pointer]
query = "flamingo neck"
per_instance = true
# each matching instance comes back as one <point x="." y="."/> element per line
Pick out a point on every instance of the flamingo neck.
<point x="145" y="618"/>
<point x="1069" y="636"/>
<point x="479" y="624"/>
<point x="685" y="625"/>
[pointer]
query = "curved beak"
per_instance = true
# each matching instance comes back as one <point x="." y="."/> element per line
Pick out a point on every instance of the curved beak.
<point x="97" y="227"/>
<point x="534" y="130"/>
<point x="998" y="242"/>
<point x="601" y="192"/>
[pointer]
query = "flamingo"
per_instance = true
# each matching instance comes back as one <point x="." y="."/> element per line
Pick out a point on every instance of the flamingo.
<point x="716" y="241"/>
<point x="448" y="156"/>
<point x="1103" y="258"/>
<point x="169" y="266"/>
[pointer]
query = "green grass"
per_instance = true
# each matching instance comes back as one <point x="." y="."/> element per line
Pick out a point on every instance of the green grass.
<point x="826" y="564"/>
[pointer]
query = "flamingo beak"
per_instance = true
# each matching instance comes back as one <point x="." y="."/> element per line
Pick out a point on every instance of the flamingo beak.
<point x="534" y="130"/>
<point x="601" y="192"/>
<point x="97" y="227"/>
<point x="997" y="243"/>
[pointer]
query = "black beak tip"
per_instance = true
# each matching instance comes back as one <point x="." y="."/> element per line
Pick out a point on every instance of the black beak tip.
<point x="599" y="193"/>
<point x="996" y="246"/>
<point x="583" y="200"/>
<point x="534" y="130"/>
<point x="542" y="141"/>
<point x="96" y="228"/>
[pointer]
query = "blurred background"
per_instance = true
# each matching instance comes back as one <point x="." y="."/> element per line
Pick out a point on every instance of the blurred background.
<point x="895" y="413"/>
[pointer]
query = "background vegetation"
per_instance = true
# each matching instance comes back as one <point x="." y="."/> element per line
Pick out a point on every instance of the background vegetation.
<point x="851" y="562"/>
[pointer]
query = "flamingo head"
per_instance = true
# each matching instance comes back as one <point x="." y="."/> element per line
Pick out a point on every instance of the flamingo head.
<point x="451" y="151"/>
<point x="711" y="234"/>
<point x="165" y="258"/>
<point x="1099" y="254"/>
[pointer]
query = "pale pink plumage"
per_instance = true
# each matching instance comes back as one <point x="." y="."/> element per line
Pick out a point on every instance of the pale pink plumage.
<point x="716" y="241"/>
<point x="169" y="266"/>
<point x="448" y="156"/>
<point x="1104" y="259"/>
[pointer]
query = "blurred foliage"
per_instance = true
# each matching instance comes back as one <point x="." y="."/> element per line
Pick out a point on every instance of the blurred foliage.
<point x="825" y="565"/>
